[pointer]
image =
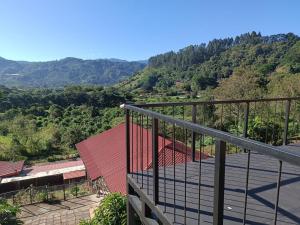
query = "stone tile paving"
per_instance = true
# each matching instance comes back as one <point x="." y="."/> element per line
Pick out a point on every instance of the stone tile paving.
<point x="68" y="212"/>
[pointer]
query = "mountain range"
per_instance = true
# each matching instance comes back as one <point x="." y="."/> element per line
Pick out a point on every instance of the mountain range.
<point x="67" y="71"/>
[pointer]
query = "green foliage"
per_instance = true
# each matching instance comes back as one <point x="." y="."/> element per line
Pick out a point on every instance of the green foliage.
<point x="45" y="124"/>
<point x="265" y="131"/>
<point x="204" y="66"/>
<point x="68" y="71"/>
<point x="243" y="84"/>
<point x="284" y="85"/>
<point x="41" y="196"/>
<point x="148" y="83"/>
<point x="74" y="190"/>
<point x="111" y="211"/>
<point x="8" y="213"/>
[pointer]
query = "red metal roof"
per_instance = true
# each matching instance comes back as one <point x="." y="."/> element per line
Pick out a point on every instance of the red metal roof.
<point x="104" y="155"/>
<point x="74" y="174"/>
<point x="45" y="167"/>
<point x="9" y="169"/>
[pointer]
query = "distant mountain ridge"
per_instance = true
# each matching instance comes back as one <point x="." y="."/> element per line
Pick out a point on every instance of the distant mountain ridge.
<point x="67" y="71"/>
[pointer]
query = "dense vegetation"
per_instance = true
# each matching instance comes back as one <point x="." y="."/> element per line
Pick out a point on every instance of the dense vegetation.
<point x="111" y="211"/>
<point x="47" y="123"/>
<point x="200" y="67"/>
<point x="68" y="71"/>
<point x="8" y="213"/>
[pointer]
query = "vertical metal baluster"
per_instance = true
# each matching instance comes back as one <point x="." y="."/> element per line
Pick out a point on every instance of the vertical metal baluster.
<point x="277" y="192"/>
<point x="222" y="108"/>
<point x="268" y="117"/>
<point x="132" y="143"/>
<point x="246" y="187"/>
<point x="254" y="120"/>
<point x="127" y="112"/>
<point x="246" y="120"/>
<point x="142" y="149"/>
<point x="173" y="111"/>
<point x="282" y="118"/>
<point x="213" y="116"/>
<point x="262" y="117"/>
<point x="294" y="117"/>
<point x="211" y="146"/>
<point x="155" y="160"/>
<point x="137" y="148"/>
<point x="286" y="122"/>
<point x="229" y="121"/>
<point x="199" y="178"/>
<point x="274" y="120"/>
<point x="147" y="155"/>
<point x="194" y="111"/>
<point x="203" y="115"/>
<point x="174" y="175"/>
<point x="164" y="144"/>
<point x="238" y="124"/>
<point x="238" y="119"/>
<point x="185" y="174"/>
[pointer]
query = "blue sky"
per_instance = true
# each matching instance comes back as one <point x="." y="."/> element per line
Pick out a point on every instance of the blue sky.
<point x="40" y="30"/>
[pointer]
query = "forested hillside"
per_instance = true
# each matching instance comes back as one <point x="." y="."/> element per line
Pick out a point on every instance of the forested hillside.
<point x="68" y="71"/>
<point x="45" y="124"/>
<point x="266" y="60"/>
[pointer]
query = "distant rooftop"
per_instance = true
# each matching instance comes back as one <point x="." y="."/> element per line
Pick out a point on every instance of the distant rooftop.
<point x="48" y="169"/>
<point x="8" y="169"/>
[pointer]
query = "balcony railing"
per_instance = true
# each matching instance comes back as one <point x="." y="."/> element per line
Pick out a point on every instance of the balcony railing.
<point x="181" y="168"/>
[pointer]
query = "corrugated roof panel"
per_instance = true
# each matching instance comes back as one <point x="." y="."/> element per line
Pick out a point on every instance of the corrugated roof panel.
<point x="104" y="155"/>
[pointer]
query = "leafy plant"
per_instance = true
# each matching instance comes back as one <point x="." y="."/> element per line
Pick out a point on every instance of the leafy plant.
<point x="8" y="213"/>
<point x="41" y="196"/>
<point x="111" y="211"/>
<point x="74" y="190"/>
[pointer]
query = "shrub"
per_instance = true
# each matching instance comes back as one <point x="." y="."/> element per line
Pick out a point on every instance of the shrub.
<point x="74" y="190"/>
<point x="41" y="196"/>
<point x="111" y="211"/>
<point x="8" y="212"/>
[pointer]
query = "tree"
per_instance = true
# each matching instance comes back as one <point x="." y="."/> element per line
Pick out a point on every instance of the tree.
<point x="243" y="84"/>
<point x="149" y="82"/>
<point x="284" y="85"/>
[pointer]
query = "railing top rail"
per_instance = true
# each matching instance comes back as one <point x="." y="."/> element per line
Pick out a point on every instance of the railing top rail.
<point x="245" y="143"/>
<point x="161" y="104"/>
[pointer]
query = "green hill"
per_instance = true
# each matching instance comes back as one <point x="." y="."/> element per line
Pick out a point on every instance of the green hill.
<point x="68" y="71"/>
<point x="198" y="67"/>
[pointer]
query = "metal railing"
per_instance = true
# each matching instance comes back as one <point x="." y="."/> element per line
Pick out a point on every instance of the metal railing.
<point x="164" y="144"/>
<point x="48" y="193"/>
<point x="272" y="120"/>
